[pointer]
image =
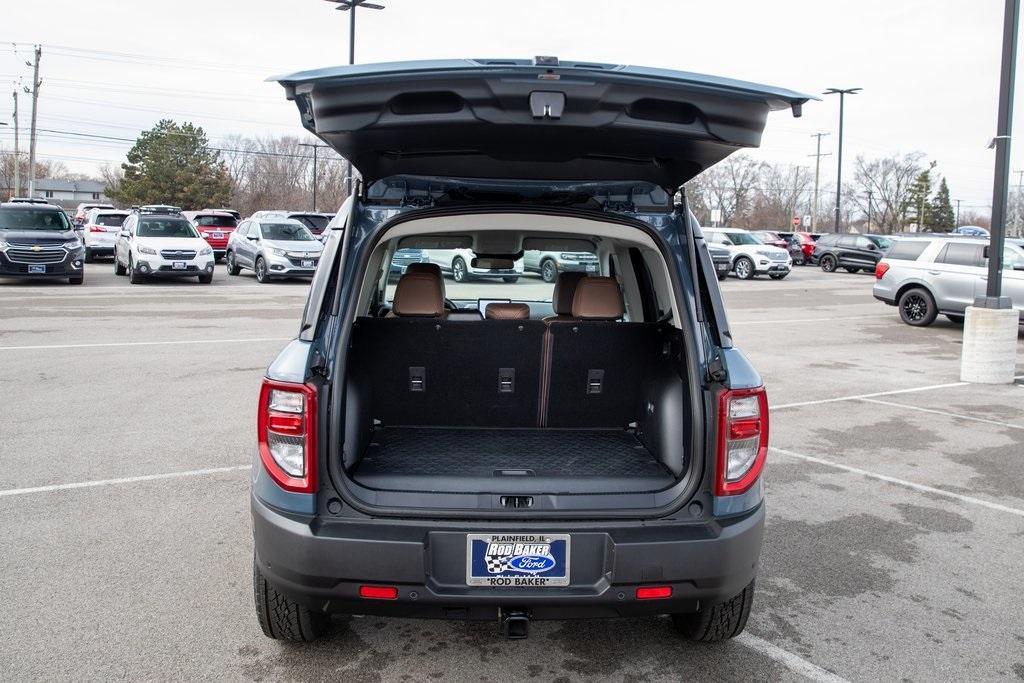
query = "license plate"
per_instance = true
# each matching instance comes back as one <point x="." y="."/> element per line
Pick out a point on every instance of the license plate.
<point x="218" y="235"/>
<point x="37" y="269"/>
<point x="591" y="267"/>
<point x="722" y="266"/>
<point x="307" y="263"/>
<point x="511" y="560"/>
<point x="178" y="265"/>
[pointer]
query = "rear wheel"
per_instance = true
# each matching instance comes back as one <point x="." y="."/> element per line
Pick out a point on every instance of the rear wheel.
<point x="233" y="268"/>
<point x="282" y="618"/>
<point x="851" y="270"/>
<point x="717" y="622"/>
<point x="744" y="268"/>
<point x="459" y="270"/>
<point x="917" y="307"/>
<point x="828" y="264"/>
<point x="549" y="271"/>
<point x="89" y="258"/>
<point x="955" y="319"/>
<point x="261" y="270"/>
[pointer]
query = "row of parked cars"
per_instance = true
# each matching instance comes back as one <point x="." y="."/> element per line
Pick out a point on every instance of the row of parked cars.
<point x="38" y="239"/>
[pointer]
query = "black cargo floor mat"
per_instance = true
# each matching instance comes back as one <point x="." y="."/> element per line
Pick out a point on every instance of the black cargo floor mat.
<point x="509" y="461"/>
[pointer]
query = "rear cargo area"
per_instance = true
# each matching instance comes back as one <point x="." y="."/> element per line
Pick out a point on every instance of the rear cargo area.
<point x="515" y="406"/>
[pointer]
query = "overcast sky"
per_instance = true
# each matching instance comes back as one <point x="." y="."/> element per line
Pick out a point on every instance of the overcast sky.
<point x="929" y="68"/>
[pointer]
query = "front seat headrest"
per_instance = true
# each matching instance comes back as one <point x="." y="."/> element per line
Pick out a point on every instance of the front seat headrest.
<point x="501" y="311"/>
<point x="418" y="294"/>
<point x="598" y="298"/>
<point x="430" y="269"/>
<point x="564" y="291"/>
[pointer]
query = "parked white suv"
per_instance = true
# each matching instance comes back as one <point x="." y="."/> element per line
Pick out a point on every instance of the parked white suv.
<point x="164" y="245"/>
<point x="749" y="255"/>
<point x="459" y="264"/>
<point x="100" y="232"/>
<point x="926" y="276"/>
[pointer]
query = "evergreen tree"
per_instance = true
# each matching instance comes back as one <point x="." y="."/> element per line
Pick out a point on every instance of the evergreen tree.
<point x="918" y="203"/>
<point x="941" y="217"/>
<point x="173" y="164"/>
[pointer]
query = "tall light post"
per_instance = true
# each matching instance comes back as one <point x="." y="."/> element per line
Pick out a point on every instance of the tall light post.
<point x="842" y="92"/>
<point x="316" y="175"/>
<point x="350" y="6"/>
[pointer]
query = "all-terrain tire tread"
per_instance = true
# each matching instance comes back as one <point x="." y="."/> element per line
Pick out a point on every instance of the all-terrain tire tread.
<point x="718" y="622"/>
<point x="282" y="618"/>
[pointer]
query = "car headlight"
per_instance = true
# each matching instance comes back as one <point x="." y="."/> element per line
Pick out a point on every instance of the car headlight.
<point x="205" y="251"/>
<point x="4" y="244"/>
<point x="277" y="252"/>
<point x="147" y="250"/>
<point x="73" y="245"/>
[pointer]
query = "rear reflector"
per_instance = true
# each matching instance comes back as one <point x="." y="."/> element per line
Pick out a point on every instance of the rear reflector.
<point x="742" y="439"/>
<point x="881" y="269"/>
<point x="653" y="592"/>
<point x="378" y="592"/>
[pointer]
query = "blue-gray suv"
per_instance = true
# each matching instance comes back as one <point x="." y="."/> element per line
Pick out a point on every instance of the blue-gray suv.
<point x="591" y="447"/>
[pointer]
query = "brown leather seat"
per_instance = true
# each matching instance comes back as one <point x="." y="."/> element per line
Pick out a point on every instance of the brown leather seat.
<point x="598" y="298"/>
<point x="500" y="311"/>
<point x="419" y="294"/>
<point x="562" y="295"/>
<point x="430" y="268"/>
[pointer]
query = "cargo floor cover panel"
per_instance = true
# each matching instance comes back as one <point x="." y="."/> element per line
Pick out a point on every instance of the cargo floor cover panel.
<point x="514" y="461"/>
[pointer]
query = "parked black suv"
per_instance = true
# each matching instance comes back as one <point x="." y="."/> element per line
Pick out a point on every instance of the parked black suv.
<point x="851" y="252"/>
<point x="587" y="448"/>
<point x="38" y="241"/>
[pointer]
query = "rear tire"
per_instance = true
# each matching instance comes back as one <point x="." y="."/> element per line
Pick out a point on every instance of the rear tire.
<point x="89" y="258"/>
<point x="851" y="270"/>
<point x="282" y="618"/>
<point x="917" y="307"/>
<point x="955" y="319"/>
<point x="828" y="264"/>
<point x="717" y="622"/>
<point x="744" y="268"/>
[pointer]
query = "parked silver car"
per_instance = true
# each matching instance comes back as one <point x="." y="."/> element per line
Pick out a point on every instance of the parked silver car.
<point x="926" y="276"/>
<point x="273" y="248"/>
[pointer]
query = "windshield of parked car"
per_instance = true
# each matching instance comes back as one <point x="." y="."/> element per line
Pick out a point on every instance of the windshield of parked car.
<point x="165" y="227"/>
<point x="286" y="232"/>
<point x="742" y="238"/>
<point x="13" y="218"/>
<point x="216" y="221"/>
<point x="314" y="223"/>
<point x="111" y="220"/>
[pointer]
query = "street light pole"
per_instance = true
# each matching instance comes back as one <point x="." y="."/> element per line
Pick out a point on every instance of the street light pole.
<point x="842" y="92"/>
<point x="316" y="148"/>
<point x="817" y="169"/>
<point x="350" y="6"/>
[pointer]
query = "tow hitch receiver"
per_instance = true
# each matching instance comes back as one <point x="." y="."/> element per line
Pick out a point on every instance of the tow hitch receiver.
<point x="515" y="623"/>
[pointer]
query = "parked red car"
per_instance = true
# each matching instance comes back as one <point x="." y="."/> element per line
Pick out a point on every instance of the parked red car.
<point x="215" y="227"/>
<point x="770" y="237"/>
<point x="806" y="241"/>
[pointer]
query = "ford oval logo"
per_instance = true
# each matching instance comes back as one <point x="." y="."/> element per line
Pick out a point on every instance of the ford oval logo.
<point x="532" y="564"/>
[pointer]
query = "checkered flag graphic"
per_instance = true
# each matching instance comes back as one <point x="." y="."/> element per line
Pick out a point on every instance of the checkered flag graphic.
<point x="495" y="563"/>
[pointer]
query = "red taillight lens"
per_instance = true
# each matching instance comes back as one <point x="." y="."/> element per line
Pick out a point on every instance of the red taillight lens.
<point x="742" y="439"/>
<point x="286" y="432"/>
<point x="378" y="592"/>
<point x="881" y="269"/>
<point x="97" y="228"/>
<point x="653" y="592"/>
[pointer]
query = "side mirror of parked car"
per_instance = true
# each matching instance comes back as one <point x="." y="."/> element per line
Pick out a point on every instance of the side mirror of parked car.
<point x="253" y="238"/>
<point x="124" y="233"/>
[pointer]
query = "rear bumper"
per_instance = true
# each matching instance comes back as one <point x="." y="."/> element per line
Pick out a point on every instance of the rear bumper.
<point x="323" y="568"/>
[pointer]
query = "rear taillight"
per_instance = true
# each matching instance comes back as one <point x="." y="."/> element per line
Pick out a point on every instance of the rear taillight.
<point x="881" y="269"/>
<point x="742" y="439"/>
<point x="97" y="228"/>
<point x="286" y="431"/>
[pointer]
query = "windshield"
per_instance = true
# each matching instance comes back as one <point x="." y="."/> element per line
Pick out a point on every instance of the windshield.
<point x="216" y="221"/>
<point x="110" y="219"/>
<point x="286" y="232"/>
<point x="33" y="219"/>
<point x="742" y="238"/>
<point x="165" y="227"/>
<point x="314" y="223"/>
<point x="882" y="243"/>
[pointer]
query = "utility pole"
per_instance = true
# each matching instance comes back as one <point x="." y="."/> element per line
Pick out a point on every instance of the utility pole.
<point x="316" y="175"/>
<point x="817" y="174"/>
<point x="842" y="92"/>
<point x="1017" y="202"/>
<point x="17" y="153"/>
<point x="32" y="135"/>
<point x="869" y="211"/>
<point x="957" y="213"/>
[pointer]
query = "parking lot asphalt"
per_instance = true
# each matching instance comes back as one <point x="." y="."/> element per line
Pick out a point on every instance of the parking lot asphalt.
<point x="895" y="535"/>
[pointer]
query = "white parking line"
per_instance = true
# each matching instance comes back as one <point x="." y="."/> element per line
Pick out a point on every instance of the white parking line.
<point x="943" y="412"/>
<point x="806" y="320"/>
<point x="902" y="482"/>
<point x="122" y="480"/>
<point x="791" y="661"/>
<point x="857" y="397"/>
<point x="142" y="343"/>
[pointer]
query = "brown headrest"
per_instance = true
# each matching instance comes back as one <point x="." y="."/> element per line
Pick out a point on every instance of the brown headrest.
<point x="418" y="294"/>
<point x="564" y="291"/>
<point x="597" y="298"/>
<point x="507" y="312"/>
<point x="428" y="268"/>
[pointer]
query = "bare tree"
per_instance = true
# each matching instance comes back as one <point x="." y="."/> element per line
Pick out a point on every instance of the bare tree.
<point x="728" y="186"/>
<point x="782" y="193"/>
<point x="890" y="181"/>
<point x="44" y="169"/>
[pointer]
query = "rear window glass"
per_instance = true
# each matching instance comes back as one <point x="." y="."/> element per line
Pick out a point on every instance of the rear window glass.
<point x="907" y="250"/>
<point x="165" y="227"/>
<point x="110" y="219"/>
<point x="33" y="219"/>
<point x="959" y="254"/>
<point x="286" y="232"/>
<point x="882" y="243"/>
<point x="216" y="221"/>
<point x="315" y="223"/>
